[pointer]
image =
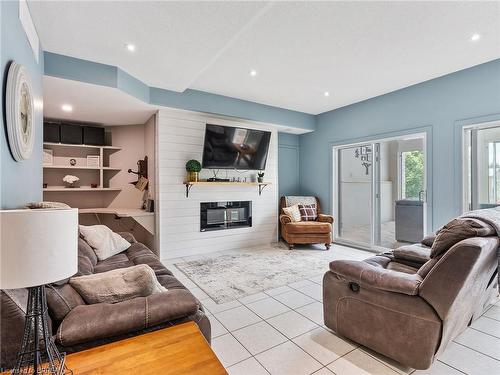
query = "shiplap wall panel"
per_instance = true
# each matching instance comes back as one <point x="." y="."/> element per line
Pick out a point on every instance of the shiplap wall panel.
<point x="180" y="138"/>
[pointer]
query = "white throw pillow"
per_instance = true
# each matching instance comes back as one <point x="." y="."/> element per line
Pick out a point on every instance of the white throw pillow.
<point x="103" y="240"/>
<point x="293" y="212"/>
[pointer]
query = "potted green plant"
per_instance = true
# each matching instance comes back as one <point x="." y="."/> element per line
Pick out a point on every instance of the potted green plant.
<point x="193" y="167"/>
<point x="260" y="177"/>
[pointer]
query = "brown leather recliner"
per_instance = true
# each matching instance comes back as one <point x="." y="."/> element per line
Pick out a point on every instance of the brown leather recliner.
<point x="77" y="326"/>
<point x="407" y="305"/>
<point x="306" y="232"/>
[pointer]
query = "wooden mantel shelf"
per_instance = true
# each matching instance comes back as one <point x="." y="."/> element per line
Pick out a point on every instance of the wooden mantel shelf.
<point x="189" y="185"/>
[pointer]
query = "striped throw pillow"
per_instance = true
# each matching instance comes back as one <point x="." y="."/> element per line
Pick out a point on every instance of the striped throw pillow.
<point x="308" y="212"/>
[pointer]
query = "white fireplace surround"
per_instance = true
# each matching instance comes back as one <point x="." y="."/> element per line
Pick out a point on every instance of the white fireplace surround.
<point x="180" y="137"/>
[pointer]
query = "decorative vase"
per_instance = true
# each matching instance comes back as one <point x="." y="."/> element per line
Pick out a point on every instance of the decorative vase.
<point x="192" y="176"/>
<point x="260" y="180"/>
<point x="71" y="185"/>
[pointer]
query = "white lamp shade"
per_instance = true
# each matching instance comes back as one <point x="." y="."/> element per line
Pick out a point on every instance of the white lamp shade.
<point x="37" y="247"/>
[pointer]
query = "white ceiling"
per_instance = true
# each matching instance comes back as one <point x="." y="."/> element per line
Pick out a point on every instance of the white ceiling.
<point x="92" y="103"/>
<point x="354" y="50"/>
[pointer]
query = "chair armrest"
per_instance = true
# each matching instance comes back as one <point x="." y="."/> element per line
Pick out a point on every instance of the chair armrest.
<point x="325" y="218"/>
<point x="376" y="277"/>
<point x="103" y="320"/>
<point x="285" y="219"/>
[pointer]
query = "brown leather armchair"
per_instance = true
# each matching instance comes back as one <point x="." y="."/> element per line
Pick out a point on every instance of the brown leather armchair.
<point x="408" y="305"/>
<point x="306" y="232"/>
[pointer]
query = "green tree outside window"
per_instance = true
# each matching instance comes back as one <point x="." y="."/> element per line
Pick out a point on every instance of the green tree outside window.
<point x="413" y="174"/>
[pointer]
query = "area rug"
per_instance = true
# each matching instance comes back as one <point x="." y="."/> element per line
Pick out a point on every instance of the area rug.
<point x="235" y="275"/>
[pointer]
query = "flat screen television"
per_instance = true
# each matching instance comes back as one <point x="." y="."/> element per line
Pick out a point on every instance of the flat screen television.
<point x="228" y="147"/>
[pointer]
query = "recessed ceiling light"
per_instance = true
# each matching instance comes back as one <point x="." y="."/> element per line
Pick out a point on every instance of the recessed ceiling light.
<point x="253" y="72"/>
<point x="67" y="108"/>
<point x="130" y="47"/>
<point x="475" y="37"/>
<point x="38" y="103"/>
<point x="326" y="93"/>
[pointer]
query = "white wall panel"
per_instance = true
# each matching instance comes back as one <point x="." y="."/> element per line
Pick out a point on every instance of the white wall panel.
<point x="180" y="138"/>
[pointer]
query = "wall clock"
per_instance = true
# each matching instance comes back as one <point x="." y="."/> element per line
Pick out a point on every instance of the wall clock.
<point x="19" y="112"/>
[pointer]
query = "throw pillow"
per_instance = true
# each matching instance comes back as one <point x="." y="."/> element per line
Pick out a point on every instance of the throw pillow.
<point x="454" y="232"/>
<point x="293" y="212"/>
<point x="117" y="285"/>
<point x="428" y="240"/>
<point x="103" y="240"/>
<point x="308" y="212"/>
<point x="46" y="204"/>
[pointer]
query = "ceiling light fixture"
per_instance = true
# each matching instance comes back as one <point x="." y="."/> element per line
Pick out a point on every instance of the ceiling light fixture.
<point x="38" y="103"/>
<point x="475" y="37"/>
<point x="326" y="93"/>
<point x="130" y="47"/>
<point x="253" y="72"/>
<point x="67" y="108"/>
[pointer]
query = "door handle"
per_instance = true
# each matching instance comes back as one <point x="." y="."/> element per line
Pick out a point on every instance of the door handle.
<point x="421" y="195"/>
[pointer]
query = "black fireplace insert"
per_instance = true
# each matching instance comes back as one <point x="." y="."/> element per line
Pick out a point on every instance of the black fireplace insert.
<point x="225" y="215"/>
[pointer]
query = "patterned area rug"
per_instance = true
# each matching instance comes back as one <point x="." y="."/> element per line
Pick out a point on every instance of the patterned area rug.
<point x="238" y="274"/>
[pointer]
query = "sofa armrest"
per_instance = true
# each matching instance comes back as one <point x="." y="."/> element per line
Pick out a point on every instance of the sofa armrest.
<point x="285" y="219"/>
<point x="371" y="276"/>
<point x="103" y="320"/>
<point x="416" y="253"/>
<point x="325" y="218"/>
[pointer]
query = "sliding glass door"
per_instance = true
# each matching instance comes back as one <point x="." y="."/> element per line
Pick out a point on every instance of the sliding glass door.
<point x="379" y="192"/>
<point x="355" y="193"/>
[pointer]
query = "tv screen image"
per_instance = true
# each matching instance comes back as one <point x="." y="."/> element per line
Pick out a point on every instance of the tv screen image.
<point x="228" y="147"/>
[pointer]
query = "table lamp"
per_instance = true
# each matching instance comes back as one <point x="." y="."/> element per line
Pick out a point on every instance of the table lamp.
<point x="37" y="247"/>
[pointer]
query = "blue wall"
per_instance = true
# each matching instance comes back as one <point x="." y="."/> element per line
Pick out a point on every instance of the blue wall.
<point x="62" y="66"/>
<point x="21" y="182"/>
<point x="438" y="107"/>
<point x="288" y="164"/>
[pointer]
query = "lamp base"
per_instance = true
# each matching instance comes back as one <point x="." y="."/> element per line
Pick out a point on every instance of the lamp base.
<point x="38" y="353"/>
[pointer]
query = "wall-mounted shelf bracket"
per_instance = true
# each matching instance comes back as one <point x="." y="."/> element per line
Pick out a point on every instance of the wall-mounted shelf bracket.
<point x="188" y="187"/>
<point x="262" y="185"/>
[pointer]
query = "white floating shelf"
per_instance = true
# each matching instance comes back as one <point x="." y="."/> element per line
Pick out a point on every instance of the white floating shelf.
<point x="111" y="148"/>
<point x="70" y="167"/>
<point x="189" y="184"/>
<point x="76" y="190"/>
<point x="111" y="169"/>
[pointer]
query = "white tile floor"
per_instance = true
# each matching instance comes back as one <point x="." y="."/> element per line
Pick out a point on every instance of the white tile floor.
<point x="281" y="332"/>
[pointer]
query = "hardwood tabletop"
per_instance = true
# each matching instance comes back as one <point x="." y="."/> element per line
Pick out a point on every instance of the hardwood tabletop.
<point x="181" y="349"/>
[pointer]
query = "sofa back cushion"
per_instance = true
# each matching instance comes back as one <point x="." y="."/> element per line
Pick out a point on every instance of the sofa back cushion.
<point x="61" y="299"/>
<point x="456" y="231"/>
<point x="87" y="259"/>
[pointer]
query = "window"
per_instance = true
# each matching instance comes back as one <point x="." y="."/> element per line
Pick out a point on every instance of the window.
<point x="494" y="172"/>
<point x="412" y="174"/>
<point x="481" y="166"/>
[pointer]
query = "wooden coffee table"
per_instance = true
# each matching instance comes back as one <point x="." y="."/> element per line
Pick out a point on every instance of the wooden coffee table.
<point x="181" y="349"/>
